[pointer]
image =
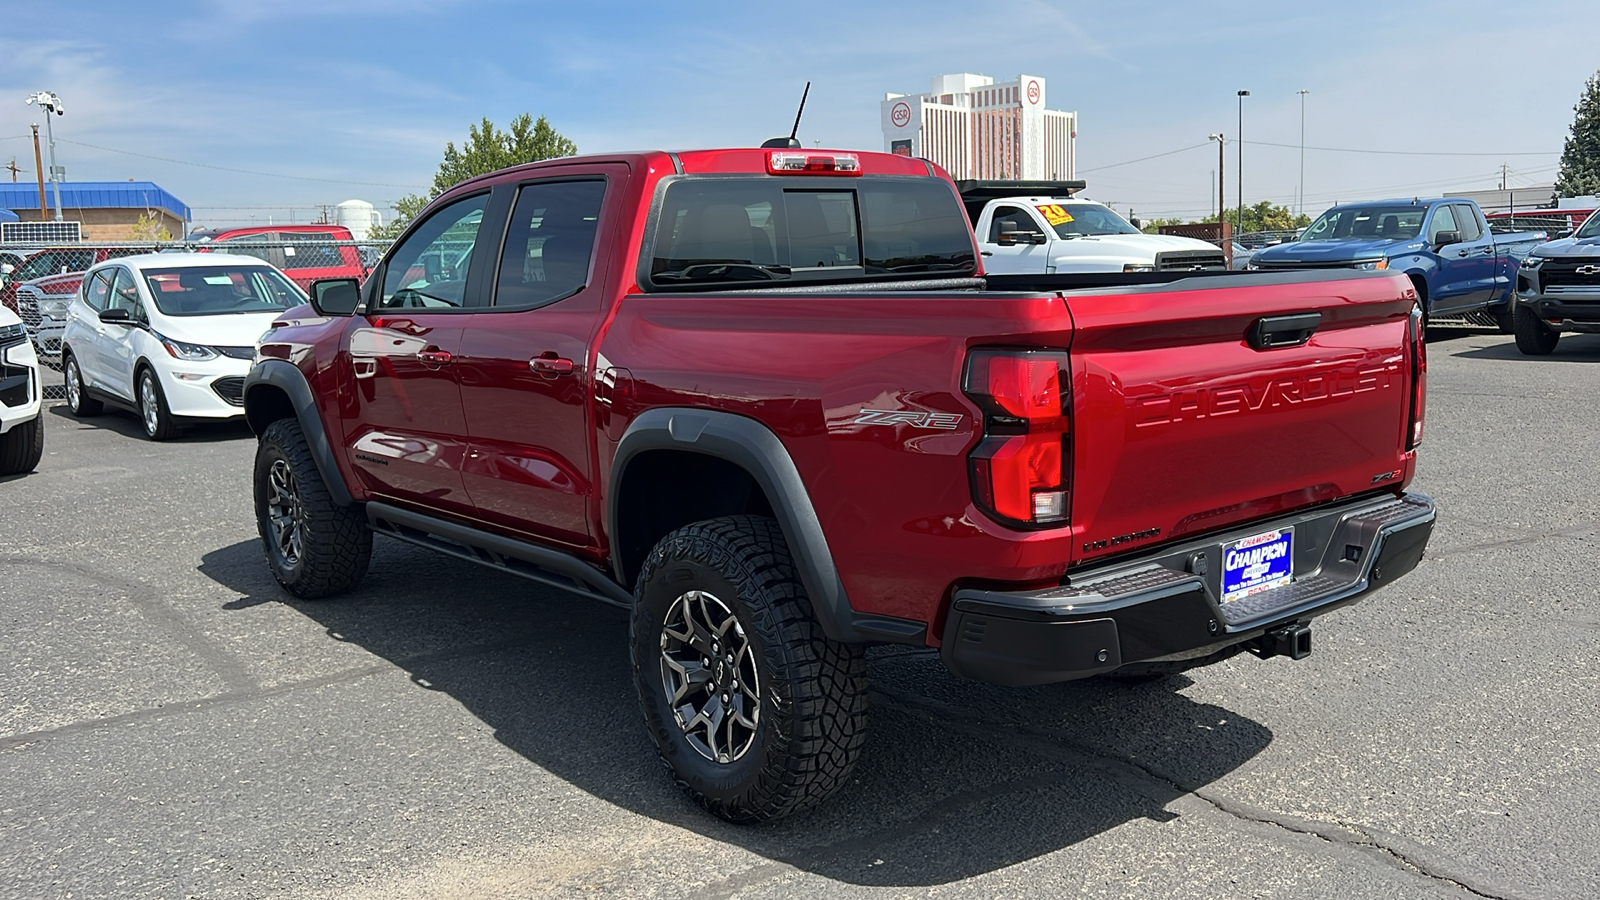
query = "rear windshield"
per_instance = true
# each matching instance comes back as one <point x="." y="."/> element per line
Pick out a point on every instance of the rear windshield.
<point x="728" y="231"/>
<point x="221" y="290"/>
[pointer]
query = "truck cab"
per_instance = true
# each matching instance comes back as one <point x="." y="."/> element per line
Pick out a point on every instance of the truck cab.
<point x="1055" y="233"/>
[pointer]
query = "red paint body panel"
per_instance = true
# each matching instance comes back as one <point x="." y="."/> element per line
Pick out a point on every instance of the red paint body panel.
<point x="1178" y="427"/>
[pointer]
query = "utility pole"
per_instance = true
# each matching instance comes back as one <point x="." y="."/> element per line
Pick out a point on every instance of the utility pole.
<point x="14" y="169"/>
<point x="38" y="169"/>
<point x="1222" y="191"/>
<point x="1503" y="176"/>
<point x="1301" y="210"/>
<point x="1238" y="220"/>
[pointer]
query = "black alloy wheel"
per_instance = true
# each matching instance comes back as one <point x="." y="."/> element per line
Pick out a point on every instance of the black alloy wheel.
<point x="314" y="547"/>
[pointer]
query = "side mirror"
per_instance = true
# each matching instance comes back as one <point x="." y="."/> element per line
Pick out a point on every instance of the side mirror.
<point x="1446" y="238"/>
<point x="335" y="296"/>
<point x="116" y="315"/>
<point x="7" y="268"/>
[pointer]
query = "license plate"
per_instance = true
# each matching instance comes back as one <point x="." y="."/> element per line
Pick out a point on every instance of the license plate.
<point x="1257" y="564"/>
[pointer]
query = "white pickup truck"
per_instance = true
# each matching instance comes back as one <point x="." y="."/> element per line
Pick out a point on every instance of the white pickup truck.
<point x="1055" y="233"/>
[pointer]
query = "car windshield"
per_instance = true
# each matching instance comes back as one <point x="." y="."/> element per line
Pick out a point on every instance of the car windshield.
<point x="1084" y="219"/>
<point x="1344" y="223"/>
<point x="221" y="290"/>
<point x="1590" y="228"/>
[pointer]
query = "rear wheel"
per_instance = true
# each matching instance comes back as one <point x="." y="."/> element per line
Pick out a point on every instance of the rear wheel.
<point x="1534" y="337"/>
<point x="77" y="398"/>
<point x="1505" y="317"/>
<point x="753" y="709"/>
<point x="315" y="547"/>
<point x="22" y="447"/>
<point x="153" y="412"/>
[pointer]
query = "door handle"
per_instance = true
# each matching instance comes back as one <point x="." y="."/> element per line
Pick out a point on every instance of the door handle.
<point x="1271" y="332"/>
<point x="1488" y="251"/>
<point x="986" y="252"/>
<point x="1461" y="253"/>
<point x="548" y="363"/>
<point x="434" y="358"/>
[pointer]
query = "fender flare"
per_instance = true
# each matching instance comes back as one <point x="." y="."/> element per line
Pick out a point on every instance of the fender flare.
<point x="287" y="377"/>
<point x="753" y="447"/>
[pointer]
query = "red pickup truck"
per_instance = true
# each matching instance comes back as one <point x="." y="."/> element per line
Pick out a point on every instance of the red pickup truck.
<point x="767" y="401"/>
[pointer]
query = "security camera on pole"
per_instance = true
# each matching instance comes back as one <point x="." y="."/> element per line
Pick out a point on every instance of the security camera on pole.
<point x="50" y="103"/>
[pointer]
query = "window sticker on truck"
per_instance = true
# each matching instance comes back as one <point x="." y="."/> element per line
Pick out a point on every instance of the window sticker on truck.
<point x="1055" y="215"/>
<point x="1257" y="563"/>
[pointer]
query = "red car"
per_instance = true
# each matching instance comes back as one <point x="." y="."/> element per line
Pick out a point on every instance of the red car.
<point x="767" y="401"/>
<point x="56" y="261"/>
<point x="305" y="253"/>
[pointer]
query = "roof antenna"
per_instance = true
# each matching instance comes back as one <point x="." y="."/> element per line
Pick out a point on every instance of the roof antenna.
<point x="790" y="142"/>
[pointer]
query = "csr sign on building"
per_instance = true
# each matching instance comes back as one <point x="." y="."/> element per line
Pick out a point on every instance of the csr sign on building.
<point x="975" y="128"/>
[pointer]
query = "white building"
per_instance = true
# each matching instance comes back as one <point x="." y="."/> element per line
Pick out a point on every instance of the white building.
<point x="975" y="128"/>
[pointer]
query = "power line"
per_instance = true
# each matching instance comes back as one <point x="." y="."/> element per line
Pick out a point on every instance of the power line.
<point x="1130" y="162"/>
<point x="183" y="162"/>
<point x="1407" y="152"/>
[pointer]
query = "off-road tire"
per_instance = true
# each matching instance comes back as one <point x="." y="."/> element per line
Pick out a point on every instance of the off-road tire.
<point x="335" y="544"/>
<point x="1505" y="317"/>
<point x="22" y="447"/>
<point x="154" y="416"/>
<point x="72" y="378"/>
<point x="1534" y="338"/>
<point x="812" y="704"/>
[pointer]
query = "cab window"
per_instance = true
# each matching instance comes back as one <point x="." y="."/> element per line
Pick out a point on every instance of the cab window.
<point x="96" y="289"/>
<point x="429" y="268"/>
<point x="1468" y="220"/>
<point x="549" y="243"/>
<point x="1009" y="219"/>
<point x="1443" y="220"/>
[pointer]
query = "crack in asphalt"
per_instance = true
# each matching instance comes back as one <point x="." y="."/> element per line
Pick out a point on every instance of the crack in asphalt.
<point x="233" y="671"/>
<point x="1406" y="854"/>
<point x="28" y="739"/>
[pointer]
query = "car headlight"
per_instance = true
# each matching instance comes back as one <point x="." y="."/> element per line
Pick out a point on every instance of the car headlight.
<point x="190" y="352"/>
<point x="12" y="334"/>
<point x="1138" y="267"/>
<point x="1372" y="264"/>
<point x="1532" y="262"/>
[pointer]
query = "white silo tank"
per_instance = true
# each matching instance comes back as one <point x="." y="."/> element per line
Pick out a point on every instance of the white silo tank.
<point x="359" y="216"/>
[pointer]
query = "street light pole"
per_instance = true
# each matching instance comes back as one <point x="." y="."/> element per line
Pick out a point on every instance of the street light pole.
<point x="1222" y="191"/>
<point x="1302" y="205"/>
<point x="50" y="103"/>
<point x="1238" y="219"/>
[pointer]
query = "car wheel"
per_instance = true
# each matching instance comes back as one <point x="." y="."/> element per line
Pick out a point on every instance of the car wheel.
<point x="1534" y="337"/>
<point x="77" y="398"/>
<point x="22" y="447"/>
<point x="315" y="547"/>
<point x="1505" y="317"/>
<point x="158" y="423"/>
<point x="753" y="709"/>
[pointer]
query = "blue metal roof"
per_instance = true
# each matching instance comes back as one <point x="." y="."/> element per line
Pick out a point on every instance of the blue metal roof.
<point x="94" y="195"/>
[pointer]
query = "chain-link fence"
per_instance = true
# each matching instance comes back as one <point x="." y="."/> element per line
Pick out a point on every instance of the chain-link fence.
<point x="43" y="279"/>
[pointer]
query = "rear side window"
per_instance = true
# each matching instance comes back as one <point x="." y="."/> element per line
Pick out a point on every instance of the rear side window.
<point x="1467" y="219"/>
<point x="309" y="250"/>
<point x="775" y="230"/>
<point x="549" y="243"/>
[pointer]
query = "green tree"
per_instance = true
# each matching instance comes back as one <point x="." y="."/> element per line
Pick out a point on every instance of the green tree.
<point x="1263" y="216"/>
<point x="486" y="149"/>
<point x="1580" y="158"/>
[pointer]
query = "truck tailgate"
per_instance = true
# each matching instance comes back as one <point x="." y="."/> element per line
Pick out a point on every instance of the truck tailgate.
<point x="1189" y="428"/>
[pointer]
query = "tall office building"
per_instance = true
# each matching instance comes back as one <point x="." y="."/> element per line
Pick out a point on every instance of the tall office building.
<point x="975" y="128"/>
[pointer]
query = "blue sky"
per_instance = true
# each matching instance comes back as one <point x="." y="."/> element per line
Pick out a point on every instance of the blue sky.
<point x="357" y="99"/>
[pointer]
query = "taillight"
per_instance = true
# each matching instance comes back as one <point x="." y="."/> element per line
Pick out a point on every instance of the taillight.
<point x="1419" y="378"/>
<point x="1022" y="467"/>
<point x="799" y="162"/>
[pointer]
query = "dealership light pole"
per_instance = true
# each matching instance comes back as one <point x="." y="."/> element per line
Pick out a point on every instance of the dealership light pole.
<point x="1238" y="219"/>
<point x="1222" y="203"/>
<point x="50" y="103"/>
<point x="1302" y="210"/>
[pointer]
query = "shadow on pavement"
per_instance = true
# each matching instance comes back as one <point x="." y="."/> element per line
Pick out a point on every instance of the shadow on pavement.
<point x="127" y="424"/>
<point x="957" y="778"/>
<point x="1572" y="348"/>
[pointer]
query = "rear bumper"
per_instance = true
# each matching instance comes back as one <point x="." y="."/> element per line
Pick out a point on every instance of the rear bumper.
<point x="1164" y="605"/>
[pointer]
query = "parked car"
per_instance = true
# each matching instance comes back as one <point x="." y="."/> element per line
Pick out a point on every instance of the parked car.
<point x="1045" y="234"/>
<point x="1444" y="246"/>
<point x="56" y="261"/>
<point x="169" y="335"/>
<point x="305" y="253"/>
<point x="1558" y="289"/>
<point x="21" y="409"/>
<point x="762" y="400"/>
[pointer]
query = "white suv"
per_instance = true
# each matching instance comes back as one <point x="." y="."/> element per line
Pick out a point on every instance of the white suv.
<point x="21" y="422"/>
<point x="169" y="335"/>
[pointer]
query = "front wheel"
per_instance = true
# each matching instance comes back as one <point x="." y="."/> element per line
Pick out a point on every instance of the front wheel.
<point x="153" y="412"/>
<point x="22" y="447"/>
<point x="315" y="547"/>
<point x="755" y="711"/>
<point x="1534" y="337"/>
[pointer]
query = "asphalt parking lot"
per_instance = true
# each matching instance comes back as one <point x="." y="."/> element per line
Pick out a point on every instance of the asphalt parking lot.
<point x="172" y="725"/>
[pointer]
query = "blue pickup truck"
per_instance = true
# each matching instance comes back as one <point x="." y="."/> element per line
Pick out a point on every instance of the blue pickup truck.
<point x="1445" y="245"/>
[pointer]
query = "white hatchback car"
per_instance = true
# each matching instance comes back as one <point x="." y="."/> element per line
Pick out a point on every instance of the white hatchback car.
<point x="169" y="335"/>
<point x="21" y="422"/>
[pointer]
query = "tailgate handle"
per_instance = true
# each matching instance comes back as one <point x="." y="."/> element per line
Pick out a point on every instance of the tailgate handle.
<point x="1272" y="332"/>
